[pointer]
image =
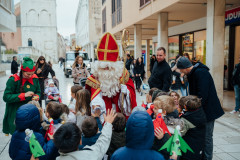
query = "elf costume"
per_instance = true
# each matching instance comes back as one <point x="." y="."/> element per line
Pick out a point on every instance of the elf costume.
<point x="14" y="98"/>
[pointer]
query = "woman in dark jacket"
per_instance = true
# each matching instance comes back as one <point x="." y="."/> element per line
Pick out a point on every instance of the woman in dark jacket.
<point x="139" y="73"/>
<point x="42" y="71"/>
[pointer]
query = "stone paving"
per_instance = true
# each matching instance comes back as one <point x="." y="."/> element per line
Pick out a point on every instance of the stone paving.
<point x="226" y="131"/>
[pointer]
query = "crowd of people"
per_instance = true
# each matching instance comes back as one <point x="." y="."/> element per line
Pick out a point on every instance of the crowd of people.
<point x="103" y="120"/>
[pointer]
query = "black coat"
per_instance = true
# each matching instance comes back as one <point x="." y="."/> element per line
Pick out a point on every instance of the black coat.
<point x="201" y="84"/>
<point x="161" y="76"/>
<point x="128" y="63"/>
<point x="236" y="75"/>
<point x="43" y="75"/>
<point x="152" y="61"/>
<point x="195" y="137"/>
<point x="45" y="71"/>
<point x="14" y="67"/>
<point x="118" y="140"/>
<point x="157" y="144"/>
<point x="139" y="69"/>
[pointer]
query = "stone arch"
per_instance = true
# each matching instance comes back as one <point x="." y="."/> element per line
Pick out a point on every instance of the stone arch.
<point x="32" y="17"/>
<point x="44" y="18"/>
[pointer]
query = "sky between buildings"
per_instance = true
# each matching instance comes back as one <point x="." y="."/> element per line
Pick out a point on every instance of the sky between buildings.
<point x="66" y="13"/>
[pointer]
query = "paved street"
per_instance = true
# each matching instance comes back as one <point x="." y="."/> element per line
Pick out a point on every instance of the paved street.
<point x="226" y="131"/>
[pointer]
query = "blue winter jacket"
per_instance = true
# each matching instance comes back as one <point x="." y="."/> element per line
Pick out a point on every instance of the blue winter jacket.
<point x="28" y="116"/>
<point x="139" y="139"/>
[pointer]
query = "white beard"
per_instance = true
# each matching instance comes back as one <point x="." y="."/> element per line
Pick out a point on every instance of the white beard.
<point x="109" y="79"/>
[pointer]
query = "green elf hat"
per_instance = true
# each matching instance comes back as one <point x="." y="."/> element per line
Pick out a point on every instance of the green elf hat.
<point x="28" y="65"/>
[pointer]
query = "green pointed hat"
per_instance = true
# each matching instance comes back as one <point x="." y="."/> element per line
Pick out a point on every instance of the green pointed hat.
<point x="28" y="65"/>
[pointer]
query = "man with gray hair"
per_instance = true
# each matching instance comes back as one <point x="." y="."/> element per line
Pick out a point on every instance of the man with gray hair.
<point x="201" y="84"/>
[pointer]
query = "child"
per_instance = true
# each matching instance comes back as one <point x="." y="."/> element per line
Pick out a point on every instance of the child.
<point x="181" y="105"/>
<point x="82" y="108"/>
<point x="175" y="96"/>
<point x="118" y="135"/>
<point x="149" y="98"/>
<point x="67" y="116"/>
<point x="37" y="104"/>
<point x="91" y="128"/>
<point x="156" y="93"/>
<point x="74" y="90"/>
<point x="54" y="111"/>
<point x="169" y="111"/>
<point x="28" y="117"/>
<point x="52" y="91"/>
<point x="68" y="137"/>
<point x="98" y="104"/>
<point x="194" y="128"/>
<point x="139" y="139"/>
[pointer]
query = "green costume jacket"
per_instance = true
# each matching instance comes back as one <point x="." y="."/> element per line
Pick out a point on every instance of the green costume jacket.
<point x="14" y="99"/>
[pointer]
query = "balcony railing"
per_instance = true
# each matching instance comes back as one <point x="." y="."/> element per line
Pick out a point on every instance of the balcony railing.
<point x="6" y="4"/>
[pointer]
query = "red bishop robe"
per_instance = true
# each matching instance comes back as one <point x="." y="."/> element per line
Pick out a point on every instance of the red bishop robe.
<point x="93" y="85"/>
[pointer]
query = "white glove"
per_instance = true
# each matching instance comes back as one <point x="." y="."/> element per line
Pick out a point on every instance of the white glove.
<point x="123" y="88"/>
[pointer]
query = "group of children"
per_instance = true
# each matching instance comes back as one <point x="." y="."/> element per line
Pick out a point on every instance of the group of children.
<point x="84" y="130"/>
<point x="184" y="111"/>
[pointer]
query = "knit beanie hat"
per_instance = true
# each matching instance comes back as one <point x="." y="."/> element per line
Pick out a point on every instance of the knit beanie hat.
<point x="183" y="63"/>
<point x="50" y="81"/>
<point x="28" y="65"/>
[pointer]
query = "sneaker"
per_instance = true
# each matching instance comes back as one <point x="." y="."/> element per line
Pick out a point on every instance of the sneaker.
<point x="233" y="111"/>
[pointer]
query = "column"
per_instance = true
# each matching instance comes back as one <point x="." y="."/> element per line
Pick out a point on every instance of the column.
<point x="153" y="47"/>
<point x="147" y="65"/>
<point x="121" y="54"/>
<point x="92" y="51"/>
<point x="215" y="42"/>
<point x="162" y="36"/>
<point x="137" y="40"/>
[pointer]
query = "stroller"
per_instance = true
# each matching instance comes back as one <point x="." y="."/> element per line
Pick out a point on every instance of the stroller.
<point x="82" y="82"/>
<point x="56" y="83"/>
<point x="144" y="88"/>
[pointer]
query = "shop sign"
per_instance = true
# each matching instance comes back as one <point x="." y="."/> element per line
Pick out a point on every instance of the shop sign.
<point x="186" y="39"/>
<point x="232" y="16"/>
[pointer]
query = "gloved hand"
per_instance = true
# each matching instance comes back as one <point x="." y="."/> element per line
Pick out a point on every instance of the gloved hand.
<point x="123" y="89"/>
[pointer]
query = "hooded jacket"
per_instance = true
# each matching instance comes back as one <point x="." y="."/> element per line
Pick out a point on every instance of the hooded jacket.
<point x="195" y="135"/>
<point x="28" y="116"/>
<point x="201" y="84"/>
<point x="139" y="139"/>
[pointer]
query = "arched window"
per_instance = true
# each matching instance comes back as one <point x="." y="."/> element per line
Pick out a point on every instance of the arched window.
<point x="29" y="42"/>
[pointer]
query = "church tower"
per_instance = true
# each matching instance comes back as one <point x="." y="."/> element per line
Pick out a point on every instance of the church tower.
<point x="39" y="27"/>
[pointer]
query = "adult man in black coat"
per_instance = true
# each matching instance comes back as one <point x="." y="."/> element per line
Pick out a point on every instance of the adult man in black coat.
<point x="161" y="73"/>
<point x="201" y="84"/>
<point x="14" y="65"/>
